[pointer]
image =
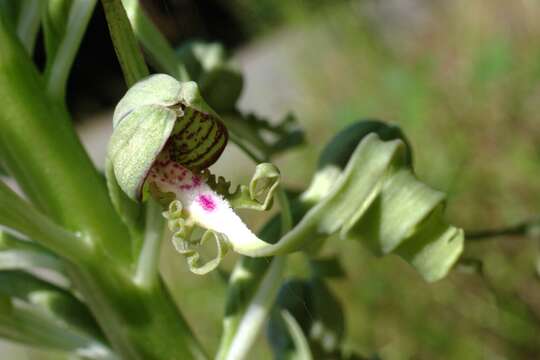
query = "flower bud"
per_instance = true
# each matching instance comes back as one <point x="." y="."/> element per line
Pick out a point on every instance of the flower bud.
<point x="162" y="115"/>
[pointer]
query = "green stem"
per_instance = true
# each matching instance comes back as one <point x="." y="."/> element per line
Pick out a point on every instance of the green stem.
<point x="524" y="229"/>
<point x="125" y="44"/>
<point x="260" y="305"/>
<point x="42" y="152"/>
<point x="158" y="330"/>
<point x="147" y="269"/>
<point x="28" y="23"/>
<point x="256" y="158"/>
<point x="256" y="312"/>
<point x="240" y="337"/>
<point x="285" y="207"/>
<point x="153" y="41"/>
<point x="80" y="13"/>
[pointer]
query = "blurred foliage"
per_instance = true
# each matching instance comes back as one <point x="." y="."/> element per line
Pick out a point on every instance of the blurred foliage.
<point x="462" y="79"/>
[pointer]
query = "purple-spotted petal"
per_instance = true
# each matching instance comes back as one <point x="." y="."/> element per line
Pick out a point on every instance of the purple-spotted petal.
<point x="203" y="205"/>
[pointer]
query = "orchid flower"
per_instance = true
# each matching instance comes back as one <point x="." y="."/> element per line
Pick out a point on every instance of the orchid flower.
<point x="165" y="138"/>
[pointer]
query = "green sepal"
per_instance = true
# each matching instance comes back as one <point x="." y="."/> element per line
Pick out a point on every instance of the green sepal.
<point x="257" y="196"/>
<point x="164" y="91"/>
<point x="135" y="144"/>
<point x="160" y="90"/>
<point x="145" y="119"/>
<point x="130" y="212"/>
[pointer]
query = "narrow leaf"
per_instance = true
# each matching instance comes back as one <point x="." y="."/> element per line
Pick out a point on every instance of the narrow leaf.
<point x="41" y="314"/>
<point x="21" y="217"/>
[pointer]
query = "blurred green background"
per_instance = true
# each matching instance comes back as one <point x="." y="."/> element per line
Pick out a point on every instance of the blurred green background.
<point x="462" y="78"/>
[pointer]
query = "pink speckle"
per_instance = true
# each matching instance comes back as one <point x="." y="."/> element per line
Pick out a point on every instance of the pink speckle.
<point x="206" y="202"/>
<point x="196" y="181"/>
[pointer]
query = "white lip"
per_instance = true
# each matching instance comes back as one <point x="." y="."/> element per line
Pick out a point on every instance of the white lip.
<point x="204" y="206"/>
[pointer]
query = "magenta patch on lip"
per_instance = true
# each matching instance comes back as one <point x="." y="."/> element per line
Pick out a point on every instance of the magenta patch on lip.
<point x="207" y="203"/>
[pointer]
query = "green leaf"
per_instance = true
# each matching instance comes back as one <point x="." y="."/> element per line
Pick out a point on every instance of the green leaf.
<point x="302" y="350"/>
<point x="10" y="10"/>
<point x="293" y="297"/>
<point x="64" y="25"/>
<point x="328" y="322"/>
<point x="20" y="254"/>
<point x="318" y="314"/>
<point x="40" y="314"/>
<point x="24" y="15"/>
<point x="54" y="18"/>
<point x="23" y="218"/>
<point x="326" y="267"/>
<point x="261" y="137"/>
<point x="222" y="87"/>
<point x="339" y="150"/>
<point x="377" y="199"/>
<point x="391" y="210"/>
<point x="201" y="57"/>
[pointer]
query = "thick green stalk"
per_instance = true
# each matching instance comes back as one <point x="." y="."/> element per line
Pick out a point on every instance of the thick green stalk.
<point x="42" y="152"/>
<point x="141" y="323"/>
